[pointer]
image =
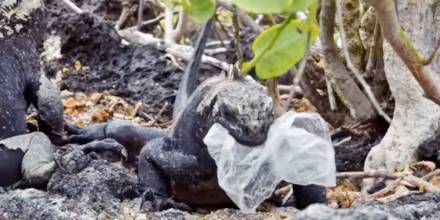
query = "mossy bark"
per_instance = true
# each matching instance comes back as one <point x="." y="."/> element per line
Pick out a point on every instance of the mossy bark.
<point x="351" y="23"/>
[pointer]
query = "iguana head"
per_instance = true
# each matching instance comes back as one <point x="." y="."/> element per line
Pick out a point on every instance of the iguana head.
<point x="21" y="16"/>
<point x="245" y="109"/>
<point x="50" y="110"/>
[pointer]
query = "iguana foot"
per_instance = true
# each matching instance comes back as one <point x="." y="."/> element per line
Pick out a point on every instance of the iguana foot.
<point x="106" y="145"/>
<point x="85" y="135"/>
<point x="154" y="202"/>
<point x="308" y="195"/>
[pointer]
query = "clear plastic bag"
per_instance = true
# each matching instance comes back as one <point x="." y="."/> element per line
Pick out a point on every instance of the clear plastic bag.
<point x="298" y="150"/>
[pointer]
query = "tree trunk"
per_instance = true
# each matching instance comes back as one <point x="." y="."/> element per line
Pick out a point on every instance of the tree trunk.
<point x="416" y="118"/>
<point x="351" y="22"/>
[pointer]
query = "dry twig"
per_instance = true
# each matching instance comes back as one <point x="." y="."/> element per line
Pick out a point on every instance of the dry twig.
<point x="430" y="175"/>
<point x="302" y="67"/>
<point x="422" y="184"/>
<point x="389" y="188"/>
<point x="125" y="14"/>
<point x="160" y="113"/>
<point x="140" y="14"/>
<point x="73" y="7"/>
<point x="330" y="94"/>
<point x="177" y="50"/>
<point x="243" y="16"/>
<point x="434" y="54"/>
<point x="147" y="22"/>
<point x="398" y="192"/>
<point x="370" y="174"/>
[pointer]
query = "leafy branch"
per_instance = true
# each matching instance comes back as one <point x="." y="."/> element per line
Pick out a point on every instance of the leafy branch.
<point x="278" y="48"/>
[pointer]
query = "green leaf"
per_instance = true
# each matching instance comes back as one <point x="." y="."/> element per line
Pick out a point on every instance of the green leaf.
<point x="171" y="3"/>
<point x="280" y="47"/>
<point x="300" y="5"/>
<point x="263" y="6"/>
<point x="200" y="10"/>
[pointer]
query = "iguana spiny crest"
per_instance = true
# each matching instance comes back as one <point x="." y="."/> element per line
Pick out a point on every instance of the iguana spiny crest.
<point x="15" y="15"/>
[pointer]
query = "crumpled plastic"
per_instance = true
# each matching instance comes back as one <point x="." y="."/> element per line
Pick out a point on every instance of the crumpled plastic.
<point x="298" y="150"/>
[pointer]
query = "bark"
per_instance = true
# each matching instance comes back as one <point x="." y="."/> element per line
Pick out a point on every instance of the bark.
<point x="314" y="88"/>
<point x="350" y="93"/>
<point x="416" y="118"/>
<point x="351" y="22"/>
<point x="373" y="42"/>
<point x="403" y="45"/>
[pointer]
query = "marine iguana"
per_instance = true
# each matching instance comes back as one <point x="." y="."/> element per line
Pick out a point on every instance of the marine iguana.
<point x="179" y="164"/>
<point x="29" y="157"/>
<point x="21" y="82"/>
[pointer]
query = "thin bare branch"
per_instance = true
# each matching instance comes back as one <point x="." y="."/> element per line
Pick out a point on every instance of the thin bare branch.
<point x="127" y="11"/>
<point x="302" y="67"/>
<point x="419" y="182"/>
<point x="399" y="192"/>
<point x="272" y="86"/>
<point x="214" y="51"/>
<point x="383" y="192"/>
<point x="182" y="25"/>
<point x="405" y="48"/>
<point x="370" y="174"/>
<point x="330" y="94"/>
<point x="140" y="17"/>
<point x="376" y="49"/>
<point x="243" y="16"/>
<point x="169" y="25"/>
<point x="147" y="22"/>
<point x="73" y="7"/>
<point x="345" y="87"/>
<point x="430" y="175"/>
<point x="162" y="110"/>
<point x="354" y="70"/>
<point x="177" y="50"/>
<point x="422" y="184"/>
<point x="434" y="54"/>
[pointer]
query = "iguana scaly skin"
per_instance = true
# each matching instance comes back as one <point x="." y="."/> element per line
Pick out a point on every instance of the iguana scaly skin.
<point x="177" y="165"/>
<point x="21" y="82"/>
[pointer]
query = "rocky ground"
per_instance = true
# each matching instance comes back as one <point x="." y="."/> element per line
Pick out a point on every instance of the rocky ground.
<point x="102" y="79"/>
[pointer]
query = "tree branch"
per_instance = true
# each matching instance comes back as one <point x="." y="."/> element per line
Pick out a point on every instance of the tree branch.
<point x="434" y="54"/>
<point x="140" y="17"/>
<point x="169" y="25"/>
<point x="73" y="7"/>
<point x="125" y="14"/>
<point x="243" y="16"/>
<point x="330" y="94"/>
<point x="355" y="71"/>
<point x="389" y="188"/>
<point x="370" y="174"/>
<point x="180" y="51"/>
<point x="346" y="88"/>
<point x="404" y="47"/>
<point x="182" y="25"/>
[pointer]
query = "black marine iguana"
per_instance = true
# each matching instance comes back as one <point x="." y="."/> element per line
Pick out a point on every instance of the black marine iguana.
<point x="29" y="157"/>
<point x="179" y="164"/>
<point x="22" y="84"/>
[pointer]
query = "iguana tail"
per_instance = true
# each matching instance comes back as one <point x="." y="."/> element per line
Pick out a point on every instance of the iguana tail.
<point x="189" y="80"/>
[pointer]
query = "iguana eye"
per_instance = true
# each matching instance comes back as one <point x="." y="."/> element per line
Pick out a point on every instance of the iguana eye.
<point x="229" y="115"/>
